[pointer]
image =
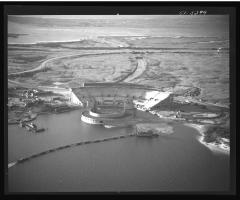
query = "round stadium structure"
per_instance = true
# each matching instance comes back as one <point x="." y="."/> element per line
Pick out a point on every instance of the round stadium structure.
<point x="109" y="103"/>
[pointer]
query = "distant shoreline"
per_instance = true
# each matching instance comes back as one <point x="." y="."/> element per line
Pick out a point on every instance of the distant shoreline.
<point x="117" y="36"/>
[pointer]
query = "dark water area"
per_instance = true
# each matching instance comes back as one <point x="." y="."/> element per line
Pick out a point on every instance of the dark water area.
<point x="175" y="162"/>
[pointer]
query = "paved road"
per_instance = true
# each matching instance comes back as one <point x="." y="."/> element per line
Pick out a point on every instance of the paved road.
<point x="141" y="67"/>
<point x="43" y="66"/>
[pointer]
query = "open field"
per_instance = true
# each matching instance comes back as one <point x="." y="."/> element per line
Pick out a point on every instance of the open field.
<point x="166" y="67"/>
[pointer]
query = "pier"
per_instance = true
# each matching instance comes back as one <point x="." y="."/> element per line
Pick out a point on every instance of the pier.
<point x="21" y="160"/>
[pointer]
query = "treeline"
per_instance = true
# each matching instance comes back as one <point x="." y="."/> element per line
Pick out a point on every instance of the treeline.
<point x="213" y="133"/>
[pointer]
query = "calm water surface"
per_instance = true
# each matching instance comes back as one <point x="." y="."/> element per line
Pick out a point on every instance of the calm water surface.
<point x="175" y="162"/>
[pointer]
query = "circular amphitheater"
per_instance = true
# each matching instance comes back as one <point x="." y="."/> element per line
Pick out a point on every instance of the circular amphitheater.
<point x="109" y="102"/>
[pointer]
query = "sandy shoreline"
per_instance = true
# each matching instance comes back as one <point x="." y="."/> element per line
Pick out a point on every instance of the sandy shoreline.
<point x="215" y="148"/>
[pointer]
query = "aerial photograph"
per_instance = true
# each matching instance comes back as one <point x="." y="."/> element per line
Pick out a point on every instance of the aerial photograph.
<point x="118" y="103"/>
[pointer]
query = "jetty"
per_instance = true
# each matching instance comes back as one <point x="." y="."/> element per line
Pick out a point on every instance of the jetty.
<point x="21" y="160"/>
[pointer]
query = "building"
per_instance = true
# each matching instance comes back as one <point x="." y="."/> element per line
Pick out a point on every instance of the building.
<point x="107" y="102"/>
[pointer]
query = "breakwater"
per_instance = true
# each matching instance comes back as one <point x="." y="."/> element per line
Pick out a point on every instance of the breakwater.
<point x="21" y="160"/>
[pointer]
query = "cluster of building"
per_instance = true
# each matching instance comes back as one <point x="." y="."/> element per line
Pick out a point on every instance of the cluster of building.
<point x="26" y="98"/>
<point x="124" y="95"/>
<point x="32" y="97"/>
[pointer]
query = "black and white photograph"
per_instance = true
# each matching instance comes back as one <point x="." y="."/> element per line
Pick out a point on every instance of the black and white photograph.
<point x="118" y="102"/>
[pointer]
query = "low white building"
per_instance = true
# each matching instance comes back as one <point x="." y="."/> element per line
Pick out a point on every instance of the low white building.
<point x="152" y="99"/>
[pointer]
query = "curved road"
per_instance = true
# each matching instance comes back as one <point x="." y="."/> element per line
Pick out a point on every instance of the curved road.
<point x="141" y="67"/>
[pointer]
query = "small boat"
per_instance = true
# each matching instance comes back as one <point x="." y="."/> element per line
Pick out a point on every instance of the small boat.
<point x="31" y="126"/>
<point x="40" y="130"/>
